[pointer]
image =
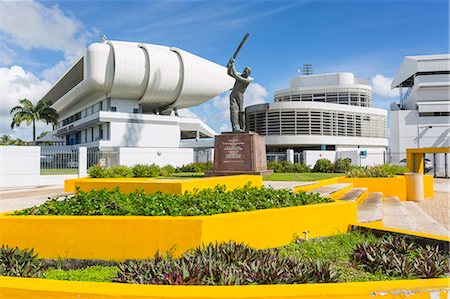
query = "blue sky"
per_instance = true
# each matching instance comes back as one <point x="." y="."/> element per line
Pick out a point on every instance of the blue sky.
<point x="40" y="40"/>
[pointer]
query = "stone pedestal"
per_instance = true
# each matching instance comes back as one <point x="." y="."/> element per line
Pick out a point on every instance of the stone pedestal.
<point x="239" y="153"/>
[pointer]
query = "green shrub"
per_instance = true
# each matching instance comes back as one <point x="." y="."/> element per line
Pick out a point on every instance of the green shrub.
<point x="119" y="171"/>
<point x="225" y="264"/>
<point x="97" y="171"/>
<point x="146" y="170"/>
<point x="323" y="165"/>
<point x="287" y="167"/>
<point x="196" y="167"/>
<point x="167" y="170"/>
<point x="342" y="165"/>
<point x="19" y="263"/>
<point x="400" y="257"/>
<point x="197" y="203"/>
<point x="378" y="171"/>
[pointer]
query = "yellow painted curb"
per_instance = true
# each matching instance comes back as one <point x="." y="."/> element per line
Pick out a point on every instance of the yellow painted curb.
<point x="15" y="288"/>
<point x="128" y="237"/>
<point x="171" y="186"/>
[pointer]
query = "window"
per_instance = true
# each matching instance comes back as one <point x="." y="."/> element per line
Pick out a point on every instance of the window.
<point x="441" y="113"/>
<point x="113" y="109"/>
<point x="135" y="110"/>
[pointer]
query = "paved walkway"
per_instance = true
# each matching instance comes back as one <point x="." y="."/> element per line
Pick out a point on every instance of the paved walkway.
<point x="25" y="197"/>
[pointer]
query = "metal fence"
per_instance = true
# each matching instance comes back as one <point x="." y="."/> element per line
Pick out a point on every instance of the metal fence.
<point x="67" y="161"/>
<point x="276" y="157"/>
<point x="59" y="162"/>
<point x="105" y="159"/>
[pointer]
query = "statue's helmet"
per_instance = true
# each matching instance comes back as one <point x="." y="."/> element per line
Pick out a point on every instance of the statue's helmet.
<point x="247" y="71"/>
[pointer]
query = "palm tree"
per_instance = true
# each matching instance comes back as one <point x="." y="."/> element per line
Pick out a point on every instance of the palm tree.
<point x="30" y="113"/>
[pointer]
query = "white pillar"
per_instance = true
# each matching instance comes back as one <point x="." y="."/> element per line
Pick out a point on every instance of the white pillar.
<point x="290" y="155"/>
<point x="82" y="162"/>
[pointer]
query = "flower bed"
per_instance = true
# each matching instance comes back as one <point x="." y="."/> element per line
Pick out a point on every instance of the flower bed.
<point x="354" y="256"/>
<point x="198" y="203"/>
<point x="260" y="217"/>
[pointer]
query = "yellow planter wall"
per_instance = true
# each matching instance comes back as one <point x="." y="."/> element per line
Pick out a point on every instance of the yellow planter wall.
<point x="24" y="288"/>
<point x="127" y="237"/>
<point x="171" y="186"/>
<point x="390" y="186"/>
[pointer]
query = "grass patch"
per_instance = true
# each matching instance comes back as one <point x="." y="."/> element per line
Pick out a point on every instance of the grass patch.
<point x="338" y="249"/>
<point x="351" y="257"/>
<point x="54" y="171"/>
<point x="93" y="273"/>
<point x="306" y="176"/>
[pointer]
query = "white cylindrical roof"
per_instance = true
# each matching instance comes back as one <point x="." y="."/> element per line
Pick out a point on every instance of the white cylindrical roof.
<point x="159" y="77"/>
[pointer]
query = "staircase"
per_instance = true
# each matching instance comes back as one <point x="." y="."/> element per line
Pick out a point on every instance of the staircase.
<point x="405" y="215"/>
<point x="408" y="215"/>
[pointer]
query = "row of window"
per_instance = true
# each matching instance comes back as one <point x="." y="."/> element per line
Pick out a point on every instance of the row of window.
<point x="360" y="98"/>
<point x="100" y="132"/>
<point x="307" y="122"/>
<point x="441" y="113"/>
<point x="104" y="105"/>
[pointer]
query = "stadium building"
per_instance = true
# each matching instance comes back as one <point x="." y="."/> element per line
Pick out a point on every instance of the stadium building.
<point x="326" y="112"/>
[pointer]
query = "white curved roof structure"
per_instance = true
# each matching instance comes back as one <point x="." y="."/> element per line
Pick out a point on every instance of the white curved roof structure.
<point x="412" y="65"/>
<point x="159" y="77"/>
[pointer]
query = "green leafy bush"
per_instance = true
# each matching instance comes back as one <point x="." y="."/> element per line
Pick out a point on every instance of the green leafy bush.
<point x="119" y="171"/>
<point x="97" y="171"/>
<point x="323" y="165"/>
<point x="342" y="165"/>
<point x="378" y="171"/>
<point x="203" y="202"/>
<point x="146" y="170"/>
<point x="196" y="167"/>
<point x="397" y="256"/>
<point x="167" y="170"/>
<point x="137" y="171"/>
<point x="19" y="263"/>
<point x="225" y="264"/>
<point x="287" y="167"/>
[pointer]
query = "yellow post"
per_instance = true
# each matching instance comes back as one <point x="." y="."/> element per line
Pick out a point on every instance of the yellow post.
<point x="409" y="160"/>
<point x="418" y="162"/>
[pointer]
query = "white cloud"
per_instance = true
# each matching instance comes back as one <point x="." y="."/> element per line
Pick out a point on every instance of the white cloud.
<point x="255" y="94"/>
<point x="381" y="86"/>
<point x="6" y="55"/>
<point x="16" y="83"/>
<point x="31" y="24"/>
<point x="225" y="128"/>
<point x="187" y="113"/>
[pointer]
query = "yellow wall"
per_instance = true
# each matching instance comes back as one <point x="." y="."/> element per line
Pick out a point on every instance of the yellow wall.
<point x="172" y="186"/>
<point x="24" y="288"/>
<point x="276" y="227"/>
<point x="390" y="186"/>
<point x="126" y="237"/>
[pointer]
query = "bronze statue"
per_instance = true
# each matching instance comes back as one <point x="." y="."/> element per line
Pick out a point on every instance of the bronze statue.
<point x="237" y="114"/>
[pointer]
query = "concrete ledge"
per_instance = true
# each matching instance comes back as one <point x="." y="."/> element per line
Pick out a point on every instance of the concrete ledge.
<point x="15" y="288"/>
<point x="171" y="186"/>
<point x="135" y="237"/>
<point x="390" y="186"/>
